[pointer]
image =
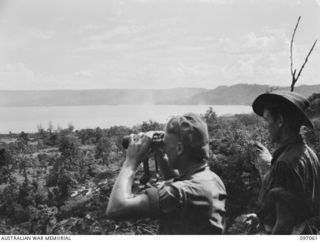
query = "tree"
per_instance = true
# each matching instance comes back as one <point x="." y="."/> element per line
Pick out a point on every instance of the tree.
<point x="6" y="168"/>
<point x="69" y="146"/>
<point x="210" y="117"/>
<point x="314" y="110"/>
<point x="70" y="127"/>
<point x="151" y="125"/>
<point x="103" y="148"/>
<point x="23" y="137"/>
<point x="50" y="127"/>
<point x="294" y="74"/>
<point x="98" y="134"/>
<point x="41" y="131"/>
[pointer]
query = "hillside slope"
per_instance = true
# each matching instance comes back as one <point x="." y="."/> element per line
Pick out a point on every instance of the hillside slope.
<point x="242" y="94"/>
<point x="95" y="97"/>
<point x="239" y="94"/>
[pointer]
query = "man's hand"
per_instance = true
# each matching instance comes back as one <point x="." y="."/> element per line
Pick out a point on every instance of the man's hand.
<point x="250" y="218"/>
<point x="263" y="154"/>
<point x="138" y="148"/>
<point x="162" y="160"/>
<point x="252" y="223"/>
<point x="122" y="204"/>
<point x="263" y="157"/>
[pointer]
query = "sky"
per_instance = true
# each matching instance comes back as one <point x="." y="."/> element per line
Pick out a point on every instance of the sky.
<point x="101" y="44"/>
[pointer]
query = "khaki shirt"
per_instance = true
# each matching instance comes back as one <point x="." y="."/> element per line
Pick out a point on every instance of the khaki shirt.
<point x="294" y="179"/>
<point x="193" y="204"/>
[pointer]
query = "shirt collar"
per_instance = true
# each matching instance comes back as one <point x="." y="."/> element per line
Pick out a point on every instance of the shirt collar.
<point x="283" y="145"/>
<point x="291" y="140"/>
<point x="193" y="169"/>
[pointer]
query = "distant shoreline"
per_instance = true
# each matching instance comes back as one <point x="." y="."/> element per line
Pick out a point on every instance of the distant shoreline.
<point x="239" y="94"/>
<point x="114" y="105"/>
<point x="28" y="119"/>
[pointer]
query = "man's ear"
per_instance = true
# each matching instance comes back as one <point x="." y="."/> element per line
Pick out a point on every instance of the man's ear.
<point x="179" y="148"/>
<point x="280" y="121"/>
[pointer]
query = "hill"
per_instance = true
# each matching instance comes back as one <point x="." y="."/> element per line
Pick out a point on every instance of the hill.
<point x="239" y="94"/>
<point x="242" y="94"/>
<point x="95" y="97"/>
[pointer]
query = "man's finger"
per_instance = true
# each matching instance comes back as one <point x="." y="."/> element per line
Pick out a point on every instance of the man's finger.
<point x="131" y="139"/>
<point x="258" y="145"/>
<point x="143" y="140"/>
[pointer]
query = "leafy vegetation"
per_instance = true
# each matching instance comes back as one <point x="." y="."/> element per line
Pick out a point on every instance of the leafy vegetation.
<point x="59" y="181"/>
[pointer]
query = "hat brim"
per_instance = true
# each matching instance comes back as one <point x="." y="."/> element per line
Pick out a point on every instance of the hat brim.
<point x="261" y="101"/>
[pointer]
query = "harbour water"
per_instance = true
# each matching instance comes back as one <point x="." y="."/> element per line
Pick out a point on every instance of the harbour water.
<point x="17" y="119"/>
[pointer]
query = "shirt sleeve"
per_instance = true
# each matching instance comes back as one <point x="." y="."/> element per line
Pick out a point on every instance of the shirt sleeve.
<point x="288" y="188"/>
<point x="166" y="200"/>
<point x="153" y="196"/>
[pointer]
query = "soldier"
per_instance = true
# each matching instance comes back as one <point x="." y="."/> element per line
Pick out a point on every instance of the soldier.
<point x="290" y="195"/>
<point x="190" y="201"/>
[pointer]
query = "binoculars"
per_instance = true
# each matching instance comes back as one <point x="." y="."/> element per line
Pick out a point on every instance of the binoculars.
<point x="157" y="138"/>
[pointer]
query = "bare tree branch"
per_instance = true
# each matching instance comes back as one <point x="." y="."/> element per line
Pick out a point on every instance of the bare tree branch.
<point x="294" y="71"/>
<point x="293" y="82"/>
<point x="306" y="60"/>
<point x="291" y="45"/>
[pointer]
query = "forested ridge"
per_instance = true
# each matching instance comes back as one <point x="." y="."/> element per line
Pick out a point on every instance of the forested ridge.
<point x="239" y="94"/>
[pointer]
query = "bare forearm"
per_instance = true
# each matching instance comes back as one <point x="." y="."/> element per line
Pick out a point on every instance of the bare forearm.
<point x="123" y="203"/>
<point x="122" y="188"/>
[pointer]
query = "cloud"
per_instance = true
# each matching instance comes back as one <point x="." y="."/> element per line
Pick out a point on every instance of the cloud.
<point x="16" y="76"/>
<point x="116" y="49"/>
<point x="216" y="1"/>
<point x="16" y="40"/>
<point x="19" y="77"/>
<point x="155" y="43"/>
<point x="119" y="38"/>
<point x="88" y="28"/>
<point x="34" y="33"/>
<point x="251" y="43"/>
<point x="15" y="72"/>
<point x="120" y="31"/>
<point x="84" y="73"/>
<point x="187" y="1"/>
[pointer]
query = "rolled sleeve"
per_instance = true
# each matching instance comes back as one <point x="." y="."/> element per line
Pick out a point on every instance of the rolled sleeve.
<point x="165" y="200"/>
<point x="171" y="200"/>
<point x="153" y="196"/>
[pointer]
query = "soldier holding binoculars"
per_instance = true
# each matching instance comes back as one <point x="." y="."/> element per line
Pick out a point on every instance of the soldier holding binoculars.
<point x="192" y="198"/>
